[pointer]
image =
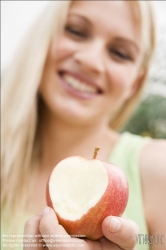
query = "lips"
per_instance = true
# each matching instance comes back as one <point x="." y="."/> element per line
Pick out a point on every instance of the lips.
<point x="79" y="85"/>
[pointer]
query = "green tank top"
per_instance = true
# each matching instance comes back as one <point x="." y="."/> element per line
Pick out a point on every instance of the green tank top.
<point x="126" y="155"/>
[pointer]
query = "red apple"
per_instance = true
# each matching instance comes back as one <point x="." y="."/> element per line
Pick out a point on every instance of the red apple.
<point x="83" y="192"/>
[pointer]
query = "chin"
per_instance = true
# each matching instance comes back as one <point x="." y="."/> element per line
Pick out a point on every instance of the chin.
<point x="74" y="118"/>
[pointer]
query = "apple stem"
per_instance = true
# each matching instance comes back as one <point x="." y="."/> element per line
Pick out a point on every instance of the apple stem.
<point x="95" y="152"/>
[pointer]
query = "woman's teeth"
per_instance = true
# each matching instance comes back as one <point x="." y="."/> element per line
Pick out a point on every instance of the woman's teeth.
<point x="79" y="85"/>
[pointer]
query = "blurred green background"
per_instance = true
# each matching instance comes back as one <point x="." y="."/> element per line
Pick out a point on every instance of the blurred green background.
<point x="149" y="118"/>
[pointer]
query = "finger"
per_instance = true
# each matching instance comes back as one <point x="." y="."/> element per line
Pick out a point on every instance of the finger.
<point x="107" y="244"/>
<point x="120" y="231"/>
<point x="53" y="233"/>
<point x="48" y="220"/>
<point x="57" y="237"/>
<point x="32" y="228"/>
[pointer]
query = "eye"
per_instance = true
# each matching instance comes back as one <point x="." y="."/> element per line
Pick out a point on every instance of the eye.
<point x="120" y="55"/>
<point x="75" y="31"/>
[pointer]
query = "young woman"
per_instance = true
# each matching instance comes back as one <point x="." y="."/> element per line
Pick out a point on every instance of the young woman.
<point x="71" y="87"/>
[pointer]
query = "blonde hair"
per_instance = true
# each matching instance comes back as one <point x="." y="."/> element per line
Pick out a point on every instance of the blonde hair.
<point x="20" y="103"/>
<point x="144" y="14"/>
<point x="19" y="110"/>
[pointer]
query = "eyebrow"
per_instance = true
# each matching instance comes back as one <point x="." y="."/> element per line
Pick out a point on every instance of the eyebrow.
<point x="80" y="16"/>
<point x="128" y="41"/>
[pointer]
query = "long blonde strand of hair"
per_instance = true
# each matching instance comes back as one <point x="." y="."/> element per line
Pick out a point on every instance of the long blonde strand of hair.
<point x="20" y="112"/>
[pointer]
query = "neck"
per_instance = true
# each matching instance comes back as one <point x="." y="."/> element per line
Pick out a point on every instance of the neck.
<point x="59" y="140"/>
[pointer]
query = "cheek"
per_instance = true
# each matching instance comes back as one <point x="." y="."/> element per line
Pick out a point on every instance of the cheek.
<point x="121" y="78"/>
<point x="62" y="49"/>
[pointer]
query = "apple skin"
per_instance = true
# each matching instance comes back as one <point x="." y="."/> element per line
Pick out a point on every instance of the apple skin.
<point x="113" y="202"/>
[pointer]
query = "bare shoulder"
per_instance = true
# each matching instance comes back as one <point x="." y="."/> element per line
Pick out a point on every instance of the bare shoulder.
<point x="153" y="177"/>
<point x="153" y="159"/>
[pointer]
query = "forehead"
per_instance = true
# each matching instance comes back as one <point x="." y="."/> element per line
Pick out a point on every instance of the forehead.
<point x="106" y="10"/>
<point x="110" y="16"/>
<point x="100" y="6"/>
<point x="117" y="15"/>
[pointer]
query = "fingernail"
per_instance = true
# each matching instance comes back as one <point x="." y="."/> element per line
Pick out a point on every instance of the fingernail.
<point x="46" y="210"/>
<point x="114" y="225"/>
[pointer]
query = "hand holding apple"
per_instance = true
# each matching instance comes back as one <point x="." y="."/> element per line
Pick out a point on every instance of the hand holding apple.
<point x="84" y="192"/>
<point x="46" y="224"/>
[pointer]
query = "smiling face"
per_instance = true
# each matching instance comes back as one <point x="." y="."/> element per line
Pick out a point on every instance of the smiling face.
<point x="93" y="69"/>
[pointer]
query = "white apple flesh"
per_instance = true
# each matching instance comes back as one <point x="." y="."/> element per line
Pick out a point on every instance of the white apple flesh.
<point x="83" y="192"/>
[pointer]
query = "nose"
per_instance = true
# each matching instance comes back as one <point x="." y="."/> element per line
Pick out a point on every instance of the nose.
<point x="90" y="57"/>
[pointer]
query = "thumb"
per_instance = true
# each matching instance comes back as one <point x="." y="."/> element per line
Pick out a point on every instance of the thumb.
<point x="120" y="231"/>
